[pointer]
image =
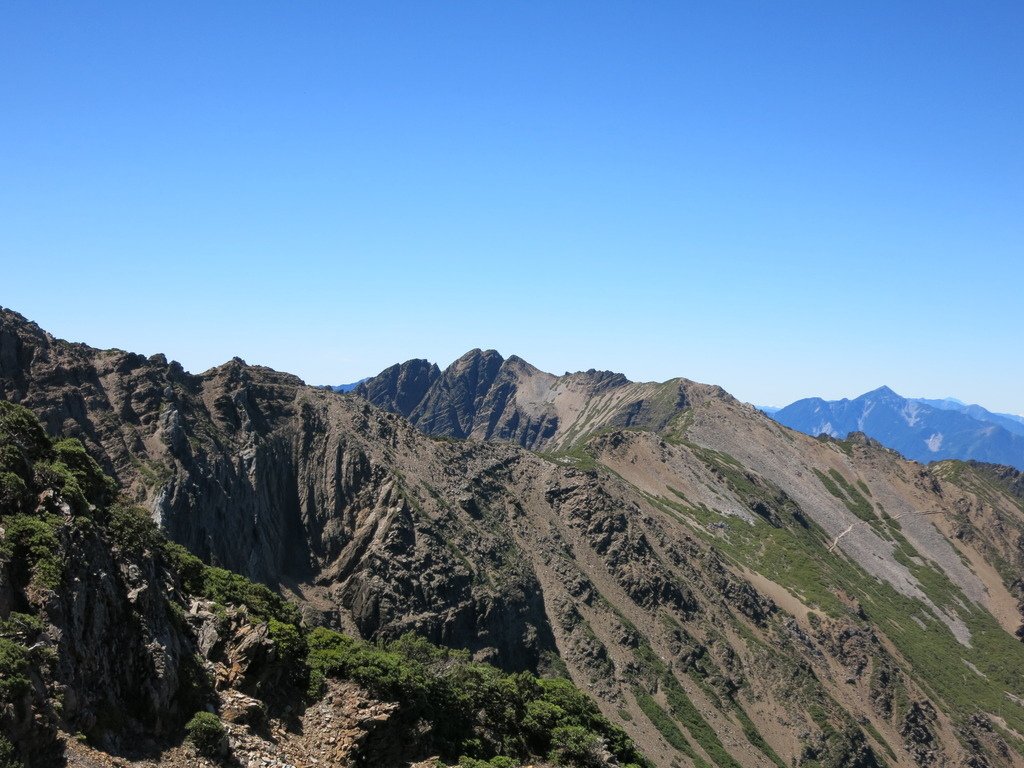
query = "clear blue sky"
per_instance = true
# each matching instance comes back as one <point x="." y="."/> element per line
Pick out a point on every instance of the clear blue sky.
<point x="784" y="198"/>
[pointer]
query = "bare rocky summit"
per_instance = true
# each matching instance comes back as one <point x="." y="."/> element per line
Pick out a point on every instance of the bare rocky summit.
<point x="731" y="592"/>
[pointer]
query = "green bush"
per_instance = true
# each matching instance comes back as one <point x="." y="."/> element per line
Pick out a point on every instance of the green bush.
<point x="132" y="529"/>
<point x="223" y="586"/>
<point x="207" y="734"/>
<point x="229" y="588"/>
<point x="17" y="440"/>
<point x="23" y="628"/>
<point x="13" y="493"/>
<point x="30" y="461"/>
<point x="288" y="641"/>
<point x="14" y="681"/>
<point x="34" y="541"/>
<point x="188" y="567"/>
<point x="290" y="650"/>
<point x="20" y="427"/>
<point x="7" y="758"/>
<point x="475" y="710"/>
<point x="57" y="475"/>
<point x="575" y="745"/>
<point x="328" y="653"/>
<point x="575" y="705"/>
<point x="541" y="717"/>
<point x="97" y="488"/>
<point x="387" y="674"/>
<point x="495" y="762"/>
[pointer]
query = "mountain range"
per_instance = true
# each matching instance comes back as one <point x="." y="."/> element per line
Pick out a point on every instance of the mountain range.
<point x="920" y="429"/>
<point x="1009" y="421"/>
<point x="725" y="590"/>
<point x="341" y="388"/>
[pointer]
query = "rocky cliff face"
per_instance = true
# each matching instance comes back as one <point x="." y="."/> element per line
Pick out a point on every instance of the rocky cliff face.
<point x="98" y="634"/>
<point x="731" y="592"/>
<point x="289" y="485"/>
<point x="402" y="387"/>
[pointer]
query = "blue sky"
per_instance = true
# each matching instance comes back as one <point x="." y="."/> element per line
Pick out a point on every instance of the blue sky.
<point x="787" y="199"/>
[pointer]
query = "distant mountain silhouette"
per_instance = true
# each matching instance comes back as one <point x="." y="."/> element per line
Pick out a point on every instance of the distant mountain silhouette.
<point x="923" y="430"/>
<point x="1009" y="421"/>
<point x="346" y="387"/>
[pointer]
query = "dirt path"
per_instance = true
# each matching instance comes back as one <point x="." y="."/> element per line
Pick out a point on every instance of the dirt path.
<point x="836" y="542"/>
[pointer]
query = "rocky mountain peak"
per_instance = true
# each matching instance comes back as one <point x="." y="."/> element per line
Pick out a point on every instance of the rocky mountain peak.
<point x="515" y="362"/>
<point x="475" y="370"/>
<point x="484" y="396"/>
<point x="598" y="380"/>
<point x="401" y="387"/>
<point x="474" y="356"/>
<point x="881" y="392"/>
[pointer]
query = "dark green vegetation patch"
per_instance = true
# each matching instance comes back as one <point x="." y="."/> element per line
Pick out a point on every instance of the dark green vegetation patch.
<point x="474" y="709"/>
<point x="207" y="734"/>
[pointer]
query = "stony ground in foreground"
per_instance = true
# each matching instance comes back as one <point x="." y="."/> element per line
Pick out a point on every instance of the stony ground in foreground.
<point x="327" y="734"/>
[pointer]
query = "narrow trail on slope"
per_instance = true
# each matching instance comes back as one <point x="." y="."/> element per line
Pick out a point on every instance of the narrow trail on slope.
<point x="919" y="514"/>
<point x="836" y="542"/>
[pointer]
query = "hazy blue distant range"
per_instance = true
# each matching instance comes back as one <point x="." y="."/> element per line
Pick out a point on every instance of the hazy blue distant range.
<point x="920" y="429"/>
<point x="353" y="385"/>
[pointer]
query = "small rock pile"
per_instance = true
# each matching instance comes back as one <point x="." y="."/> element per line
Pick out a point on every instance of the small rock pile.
<point x="329" y="734"/>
